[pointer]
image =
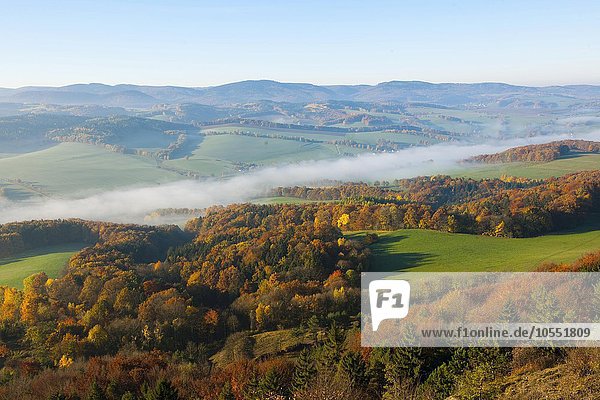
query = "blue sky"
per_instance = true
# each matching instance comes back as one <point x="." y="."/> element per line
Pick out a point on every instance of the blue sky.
<point x="201" y="43"/>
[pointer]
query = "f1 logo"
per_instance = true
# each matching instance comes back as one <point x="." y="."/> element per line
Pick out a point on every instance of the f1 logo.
<point x="389" y="299"/>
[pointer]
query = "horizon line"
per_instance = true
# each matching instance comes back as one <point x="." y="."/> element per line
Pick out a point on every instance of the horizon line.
<point x="294" y="82"/>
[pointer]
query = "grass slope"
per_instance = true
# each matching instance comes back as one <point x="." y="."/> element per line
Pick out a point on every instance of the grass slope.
<point x="423" y="250"/>
<point x="555" y="168"/>
<point x="51" y="260"/>
<point x="261" y="345"/>
<point x="74" y="167"/>
<point x="218" y="155"/>
<point x="283" y="200"/>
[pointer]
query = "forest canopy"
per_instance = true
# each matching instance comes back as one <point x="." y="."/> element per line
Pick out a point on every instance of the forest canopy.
<point x="219" y="307"/>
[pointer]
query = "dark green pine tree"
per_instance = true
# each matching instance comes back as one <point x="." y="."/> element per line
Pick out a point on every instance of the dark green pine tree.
<point x="95" y="392"/>
<point x="407" y="361"/>
<point x="162" y="391"/>
<point x="332" y="348"/>
<point x="304" y="370"/>
<point x="441" y="382"/>
<point x="226" y="392"/>
<point x="128" y="396"/>
<point x="376" y="375"/>
<point x="270" y="385"/>
<point x="403" y="369"/>
<point x="251" y="390"/>
<point x="312" y="326"/>
<point x="459" y="361"/>
<point x="57" y="396"/>
<point x="355" y="368"/>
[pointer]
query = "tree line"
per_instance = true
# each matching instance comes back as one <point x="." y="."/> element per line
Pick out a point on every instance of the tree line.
<point x="539" y="152"/>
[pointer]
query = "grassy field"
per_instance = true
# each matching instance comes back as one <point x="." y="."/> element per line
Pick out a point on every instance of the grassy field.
<point x="373" y="137"/>
<point x="360" y="137"/>
<point x="50" y="260"/>
<point x="282" y="200"/>
<point x="558" y="167"/>
<point x="423" y="250"/>
<point x="251" y="149"/>
<point x="142" y="139"/>
<point x="73" y="167"/>
<point x="218" y="155"/>
<point x="262" y="345"/>
<point x="309" y="134"/>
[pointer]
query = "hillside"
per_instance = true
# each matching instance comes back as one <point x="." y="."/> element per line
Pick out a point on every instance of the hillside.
<point x="540" y="152"/>
<point x="421" y="250"/>
<point x="52" y="260"/>
<point x="123" y="134"/>
<point x="71" y="168"/>
<point x="497" y="94"/>
<point x="254" y="294"/>
<point x="533" y="170"/>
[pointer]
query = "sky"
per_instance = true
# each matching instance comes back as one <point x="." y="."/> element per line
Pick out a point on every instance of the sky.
<point x="206" y="43"/>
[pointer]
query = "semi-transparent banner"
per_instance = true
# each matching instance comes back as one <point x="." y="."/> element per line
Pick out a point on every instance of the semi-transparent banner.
<point x="505" y="309"/>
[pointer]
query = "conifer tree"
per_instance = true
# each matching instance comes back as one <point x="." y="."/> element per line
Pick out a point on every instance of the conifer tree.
<point x="270" y="385"/>
<point x="162" y="391"/>
<point x="355" y="369"/>
<point x="95" y="392"/>
<point x="226" y="392"/>
<point x="441" y="382"/>
<point x="304" y="370"/>
<point x="332" y="348"/>
<point x="128" y="396"/>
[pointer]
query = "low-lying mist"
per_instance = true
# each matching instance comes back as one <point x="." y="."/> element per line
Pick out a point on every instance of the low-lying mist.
<point x="132" y="204"/>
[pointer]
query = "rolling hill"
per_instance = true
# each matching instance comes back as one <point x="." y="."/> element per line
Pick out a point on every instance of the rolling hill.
<point x="51" y="260"/>
<point x="421" y="250"/>
<point x="498" y="94"/>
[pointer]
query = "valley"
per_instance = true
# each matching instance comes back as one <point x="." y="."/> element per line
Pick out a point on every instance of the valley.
<point x="218" y="234"/>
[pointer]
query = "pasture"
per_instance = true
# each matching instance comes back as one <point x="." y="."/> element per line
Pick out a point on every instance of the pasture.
<point x="75" y="168"/>
<point x="424" y="250"/>
<point x="282" y="200"/>
<point x="227" y="154"/>
<point x="555" y="168"/>
<point x="51" y="260"/>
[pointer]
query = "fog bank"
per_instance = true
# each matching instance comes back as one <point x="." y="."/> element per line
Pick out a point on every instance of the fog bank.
<point x="132" y="204"/>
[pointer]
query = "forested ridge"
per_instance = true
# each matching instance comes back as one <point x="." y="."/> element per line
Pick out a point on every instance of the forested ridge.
<point x="540" y="152"/>
<point x="262" y="301"/>
<point x="512" y="207"/>
<point x="20" y="236"/>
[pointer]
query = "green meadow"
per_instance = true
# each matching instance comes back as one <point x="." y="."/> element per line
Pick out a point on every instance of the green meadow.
<point x="562" y="166"/>
<point x="283" y="200"/>
<point x="424" y="250"/>
<point x="51" y="260"/>
<point x="223" y="154"/>
<point x="70" y="168"/>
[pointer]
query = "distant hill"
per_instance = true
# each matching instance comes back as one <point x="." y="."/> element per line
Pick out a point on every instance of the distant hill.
<point x="33" y="125"/>
<point x="120" y="133"/>
<point x="539" y="152"/>
<point x="451" y="94"/>
<point x="250" y="91"/>
<point x="124" y="98"/>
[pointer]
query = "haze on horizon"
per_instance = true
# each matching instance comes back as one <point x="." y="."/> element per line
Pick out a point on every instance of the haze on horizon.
<point x="168" y="85"/>
<point x="199" y="43"/>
